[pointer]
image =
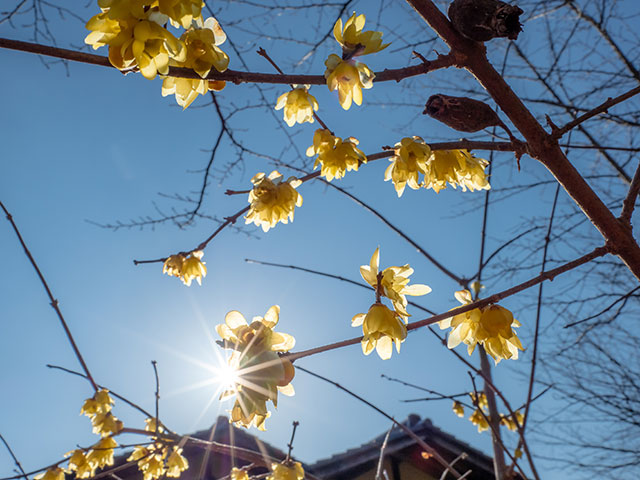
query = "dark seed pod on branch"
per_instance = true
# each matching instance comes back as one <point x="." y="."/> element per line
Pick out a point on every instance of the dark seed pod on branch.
<point x="482" y="20"/>
<point x="461" y="113"/>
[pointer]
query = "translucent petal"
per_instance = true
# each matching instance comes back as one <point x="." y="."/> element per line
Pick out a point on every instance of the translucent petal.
<point x="235" y="319"/>
<point x="384" y="347"/>
<point x="271" y="317"/>
<point x="287" y="390"/>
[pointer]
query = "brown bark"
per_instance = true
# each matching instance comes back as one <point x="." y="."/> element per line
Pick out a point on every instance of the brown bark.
<point x="542" y="145"/>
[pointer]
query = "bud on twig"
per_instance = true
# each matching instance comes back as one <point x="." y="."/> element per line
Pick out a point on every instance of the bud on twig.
<point x="482" y="20"/>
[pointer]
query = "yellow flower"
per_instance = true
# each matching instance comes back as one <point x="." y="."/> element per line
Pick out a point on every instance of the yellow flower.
<point x="336" y="156"/>
<point x="381" y="328"/>
<point x="260" y="371"/>
<point x="101" y="454"/>
<point x="479" y="420"/>
<point x="394" y="282"/>
<point x="238" y="474"/>
<point x="458" y="168"/>
<point x="173" y="265"/>
<point x="152" y="426"/>
<point x="54" y="473"/>
<point x="193" y="268"/>
<point x="410" y="159"/>
<point x="184" y="12"/>
<point x="272" y="200"/>
<point x="491" y="326"/>
<point x="150" y="460"/>
<point x="187" y="268"/>
<point x="135" y="37"/>
<point x="176" y="463"/>
<point x="202" y="54"/>
<point x="517" y="454"/>
<point x="298" y="105"/>
<point x="323" y="141"/>
<point x="348" y="78"/>
<point x="79" y="464"/>
<point x="151" y="47"/>
<point x="287" y="470"/>
<point x="106" y="424"/>
<point x="458" y="409"/>
<point x="101" y="402"/>
<point x="353" y="40"/>
<point x="509" y="422"/>
<point x="481" y="401"/>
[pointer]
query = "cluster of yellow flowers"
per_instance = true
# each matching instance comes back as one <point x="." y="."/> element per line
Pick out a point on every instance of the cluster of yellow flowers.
<point x="137" y="38"/>
<point x="480" y="415"/>
<point x="345" y="74"/>
<point x="272" y="200"/>
<point x="412" y="157"/>
<point x="335" y="155"/>
<point x="490" y="326"/>
<point x="382" y="327"/>
<point x="286" y="470"/>
<point x="186" y="267"/>
<point x="154" y="460"/>
<point x="84" y="463"/>
<point x="261" y="372"/>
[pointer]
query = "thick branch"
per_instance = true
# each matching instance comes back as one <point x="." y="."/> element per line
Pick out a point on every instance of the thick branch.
<point x="544" y="147"/>
<point x="235" y="76"/>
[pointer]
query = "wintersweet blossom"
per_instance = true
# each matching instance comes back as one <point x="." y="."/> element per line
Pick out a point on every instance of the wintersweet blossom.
<point x="261" y="372"/>
<point x="136" y="37"/>
<point x="187" y="267"/>
<point x="353" y="40"/>
<point x="298" y="105"/>
<point x="382" y="328"/>
<point x="201" y="43"/>
<point x="392" y="282"/>
<point x="410" y="159"/>
<point x="510" y="422"/>
<point x="151" y="460"/>
<point x="272" y="200"/>
<point x="349" y="78"/>
<point x="458" y="409"/>
<point x="101" y="402"/>
<point x="106" y="424"/>
<point x="54" y="473"/>
<point x="176" y="463"/>
<point x="491" y="326"/>
<point x="335" y="155"/>
<point x="238" y="474"/>
<point x="457" y="168"/>
<point x="79" y="464"/>
<point x="193" y="268"/>
<point x="287" y="470"/>
<point x="181" y="12"/>
<point x="101" y="454"/>
<point x="479" y="420"/>
<point x="480" y="401"/>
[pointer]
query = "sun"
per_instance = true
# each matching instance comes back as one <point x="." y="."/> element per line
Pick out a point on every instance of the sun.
<point x="226" y="376"/>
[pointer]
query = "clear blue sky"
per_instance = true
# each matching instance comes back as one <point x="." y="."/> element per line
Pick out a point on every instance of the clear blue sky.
<point x="85" y="143"/>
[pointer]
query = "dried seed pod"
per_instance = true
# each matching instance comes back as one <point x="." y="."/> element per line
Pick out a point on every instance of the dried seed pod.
<point x="482" y="20"/>
<point x="461" y="113"/>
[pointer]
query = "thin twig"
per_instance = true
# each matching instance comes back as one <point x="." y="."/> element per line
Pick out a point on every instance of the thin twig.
<point x="548" y="275"/>
<point x="54" y="302"/>
<point x="15" y="459"/>
<point x="404" y="428"/>
<point x="155" y="372"/>
<point x="629" y="202"/>
<point x="290" y="444"/>
<point x="111" y="392"/>
<point x="602" y="108"/>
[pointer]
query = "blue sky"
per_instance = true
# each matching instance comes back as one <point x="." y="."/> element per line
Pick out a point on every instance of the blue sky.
<point x="84" y="144"/>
